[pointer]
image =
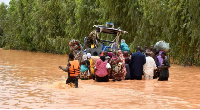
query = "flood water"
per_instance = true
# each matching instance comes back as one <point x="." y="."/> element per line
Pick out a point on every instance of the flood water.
<point x="31" y="80"/>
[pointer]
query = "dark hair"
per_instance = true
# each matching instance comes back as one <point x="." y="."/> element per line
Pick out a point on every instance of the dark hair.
<point x="154" y="49"/>
<point x="156" y="52"/>
<point x="103" y="58"/>
<point x="138" y="48"/>
<point x="105" y="53"/>
<point x="164" y="53"/>
<point x="95" y="53"/>
<point x="71" y="56"/>
<point x="148" y="54"/>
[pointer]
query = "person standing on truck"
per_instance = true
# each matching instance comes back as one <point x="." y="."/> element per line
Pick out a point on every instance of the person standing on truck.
<point x="124" y="46"/>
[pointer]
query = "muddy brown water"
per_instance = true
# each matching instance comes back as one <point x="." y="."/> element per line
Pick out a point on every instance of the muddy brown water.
<point x="33" y="80"/>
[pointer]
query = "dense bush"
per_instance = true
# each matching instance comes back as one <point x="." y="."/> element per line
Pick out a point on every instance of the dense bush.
<point x="48" y="25"/>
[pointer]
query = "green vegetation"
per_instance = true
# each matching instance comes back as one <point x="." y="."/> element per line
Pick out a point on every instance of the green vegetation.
<point x="48" y="25"/>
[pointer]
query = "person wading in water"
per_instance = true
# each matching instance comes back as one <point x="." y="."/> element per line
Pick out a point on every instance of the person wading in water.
<point x="73" y="69"/>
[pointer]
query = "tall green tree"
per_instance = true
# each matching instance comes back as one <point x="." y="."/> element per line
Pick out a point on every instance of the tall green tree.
<point x="49" y="25"/>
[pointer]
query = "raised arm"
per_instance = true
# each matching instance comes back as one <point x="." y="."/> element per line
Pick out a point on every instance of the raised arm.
<point x="65" y="69"/>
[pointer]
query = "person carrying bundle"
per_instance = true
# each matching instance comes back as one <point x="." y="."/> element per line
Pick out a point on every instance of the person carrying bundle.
<point x="164" y="71"/>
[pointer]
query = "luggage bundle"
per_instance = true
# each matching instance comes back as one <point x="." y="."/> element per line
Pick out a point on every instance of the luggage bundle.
<point x="162" y="45"/>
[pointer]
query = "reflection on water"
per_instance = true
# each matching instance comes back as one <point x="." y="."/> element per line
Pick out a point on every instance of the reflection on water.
<point x="33" y="80"/>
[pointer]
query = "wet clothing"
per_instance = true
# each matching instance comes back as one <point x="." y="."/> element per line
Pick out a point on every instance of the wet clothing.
<point x="101" y="69"/>
<point x="127" y="57"/>
<point x="124" y="47"/>
<point x="156" y="73"/>
<point x="136" y="65"/>
<point x="164" y="72"/>
<point x="155" y="59"/>
<point x="149" y="67"/>
<point x="102" y="79"/>
<point x="116" y="70"/>
<point x="128" y="76"/>
<point x="72" y="80"/>
<point x="127" y="60"/>
<point x="122" y="60"/>
<point x="110" y="54"/>
<point x="147" y="76"/>
<point x="84" y="75"/>
<point x="74" y="69"/>
<point x="160" y="58"/>
<point x="91" y="66"/>
<point x="84" y="70"/>
<point x="94" y="59"/>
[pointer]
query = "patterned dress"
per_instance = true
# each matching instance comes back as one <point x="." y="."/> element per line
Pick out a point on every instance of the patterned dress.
<point x="116" y="70"/>
<point x="84" y="70"/>
<point x="122" y="60"/>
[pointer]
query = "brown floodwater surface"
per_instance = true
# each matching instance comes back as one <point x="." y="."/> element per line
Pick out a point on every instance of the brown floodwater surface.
<point x="32" y="80"/>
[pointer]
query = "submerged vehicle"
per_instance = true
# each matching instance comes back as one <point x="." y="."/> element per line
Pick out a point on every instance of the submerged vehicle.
<point x="93" y="43"/>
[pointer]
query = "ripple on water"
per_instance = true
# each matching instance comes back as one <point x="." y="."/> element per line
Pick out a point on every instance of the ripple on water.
<point x="35" y="81"/>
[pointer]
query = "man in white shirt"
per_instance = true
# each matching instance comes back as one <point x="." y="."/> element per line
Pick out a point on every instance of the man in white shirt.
<point x="149" y="67"/>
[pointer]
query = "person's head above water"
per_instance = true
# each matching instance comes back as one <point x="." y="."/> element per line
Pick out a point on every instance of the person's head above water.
<point x="95" y="53"/>
<point x="126" y="54"/>
<point x="151" y="48"/>
<point x="105" y="53"/>
<point x="145" y="47"/>
<point x="88" y="55"/>
<point x="138" y="49"/>
<point x="71" y="56"/>
<point x="103" y="58"/>
<point x="114" y="54"/>
<point x="163" y="55"/>
<point x="122" y="41"/>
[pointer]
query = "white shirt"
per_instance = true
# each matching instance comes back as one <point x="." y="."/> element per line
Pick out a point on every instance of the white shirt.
<point x="108" y="65"/>
<point x="149" y="66"/>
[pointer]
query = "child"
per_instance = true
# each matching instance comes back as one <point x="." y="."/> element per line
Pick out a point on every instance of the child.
<point x="164" y="72"/>
<point x="73" y="69"/>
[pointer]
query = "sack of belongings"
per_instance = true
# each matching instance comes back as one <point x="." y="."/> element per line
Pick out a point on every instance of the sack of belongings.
<point x="162" y="45"/>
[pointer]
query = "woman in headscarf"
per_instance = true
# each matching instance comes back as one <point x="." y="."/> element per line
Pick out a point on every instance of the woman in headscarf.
<point x="124" y="46"/>
<point x="122" y="60"/>
<point x="110" y="54"/>
<point x="115" y="63"/>
<point x="101" y="72"/>
<point x="84" y="70"/>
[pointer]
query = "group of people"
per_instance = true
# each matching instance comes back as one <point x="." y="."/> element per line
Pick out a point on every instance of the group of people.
<point x="119" y="65"/>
